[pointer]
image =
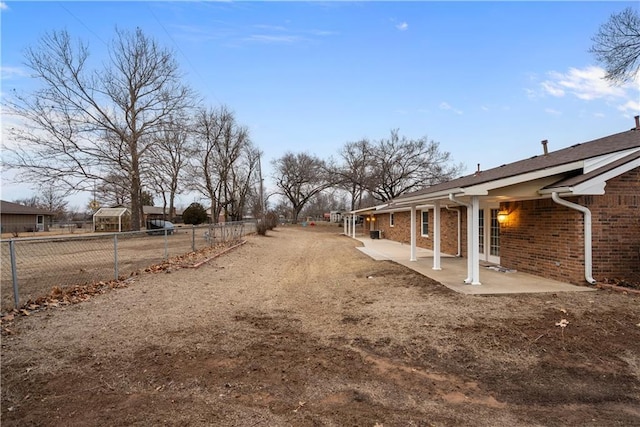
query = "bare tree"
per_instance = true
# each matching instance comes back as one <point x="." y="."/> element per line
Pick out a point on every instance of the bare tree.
<point x="617" y="46"/>
<point x="353" y="175"/>
<point x="324" y="202"/>
<point x="165" y="166"/>
<point x="299" y="177"/>
<point x="32" y="201"/>
<point x="399" y="165"/>
<point x="225" y="161"/>
<point x="83" y="124"/>
<point x="48" y="199"/>
<point x="53" y="201"/>
<point x="242" y="183"/>
<point x="113" y="189"/>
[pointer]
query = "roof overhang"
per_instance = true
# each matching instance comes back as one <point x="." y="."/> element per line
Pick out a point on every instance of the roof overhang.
<point x="492" y="187"/>
<point x="367" y="211"/>
<point x="594" y="186"/>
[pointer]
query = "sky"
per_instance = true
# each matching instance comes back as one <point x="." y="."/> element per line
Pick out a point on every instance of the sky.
<point x="488" y="81"/>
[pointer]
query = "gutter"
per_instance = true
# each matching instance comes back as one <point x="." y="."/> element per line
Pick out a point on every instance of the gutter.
<point x="588" y="262"/>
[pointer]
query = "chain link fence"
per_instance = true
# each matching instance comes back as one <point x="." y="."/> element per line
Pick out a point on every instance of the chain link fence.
<point x="32" y="267"/>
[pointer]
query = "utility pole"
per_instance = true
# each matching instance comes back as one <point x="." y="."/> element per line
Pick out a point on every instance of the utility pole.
<point x="261" y="187"/>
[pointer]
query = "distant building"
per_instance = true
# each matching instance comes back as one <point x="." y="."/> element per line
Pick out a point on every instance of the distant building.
<point x="116" y="219"/>
<point x="335" y="216"/>
<point x="158" y="212"/>
<point x="16" y="218"/>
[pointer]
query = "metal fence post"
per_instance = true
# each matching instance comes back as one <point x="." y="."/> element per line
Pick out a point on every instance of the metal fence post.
<point x="166" y="244"/>
<point x="115" y="255"/>
<point x="193" y="237"/>
<point x="14" y="272"/>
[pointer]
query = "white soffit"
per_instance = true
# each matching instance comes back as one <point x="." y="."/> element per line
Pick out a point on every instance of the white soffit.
<point x="600" y="161"/>
<point x="596" y="185"/>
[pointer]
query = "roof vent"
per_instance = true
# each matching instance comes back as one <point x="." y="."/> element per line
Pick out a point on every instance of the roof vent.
<point x="637" y="122"/>
<point x="544" y="147"/>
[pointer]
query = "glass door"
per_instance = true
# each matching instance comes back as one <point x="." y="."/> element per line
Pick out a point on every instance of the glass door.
<point x="494" y="237"/>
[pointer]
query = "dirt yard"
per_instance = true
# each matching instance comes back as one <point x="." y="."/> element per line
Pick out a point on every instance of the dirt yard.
<point x="301" y="329"/>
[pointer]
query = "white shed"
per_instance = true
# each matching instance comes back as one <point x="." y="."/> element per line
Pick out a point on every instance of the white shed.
<point x="112" y="219"/>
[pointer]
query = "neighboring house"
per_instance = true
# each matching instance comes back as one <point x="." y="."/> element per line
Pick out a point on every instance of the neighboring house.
<point x="16" y="218"/>
<point x="115" y="219"/>
<point x="335" y="216"/>
<point x="571" y="215"/>
<point x="158" y="212"/>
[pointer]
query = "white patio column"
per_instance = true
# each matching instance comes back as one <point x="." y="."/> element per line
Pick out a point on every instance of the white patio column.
<point x="353" y="226"/>
<point x="344" y="225"/>
<point x="413" y="233"/>
<point x="470" y="222"/>
<point x="475" y="203"/>
<point x="436" y="235"/>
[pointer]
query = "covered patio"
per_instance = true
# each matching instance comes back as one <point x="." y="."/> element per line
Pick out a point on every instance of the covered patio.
<point x="453" y="268"/>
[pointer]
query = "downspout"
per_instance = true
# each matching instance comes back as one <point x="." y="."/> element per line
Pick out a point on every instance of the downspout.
<point x="469" y="279"/>
<point x="587" y="234"/>
<point x="459" y="239"/>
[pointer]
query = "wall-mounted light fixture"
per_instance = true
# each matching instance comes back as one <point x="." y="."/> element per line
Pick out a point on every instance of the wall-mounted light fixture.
<point x="502" y="216"/>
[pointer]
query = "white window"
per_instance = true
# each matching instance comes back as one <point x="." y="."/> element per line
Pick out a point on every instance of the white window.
<point x="391" y="220"/>
<point x="424" y="225"/>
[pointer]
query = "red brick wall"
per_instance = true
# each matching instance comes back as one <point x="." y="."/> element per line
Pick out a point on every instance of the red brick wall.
<point x="401" y="232"/>
<point x="543" y="238"/>
<point x="616" y="228"/>
<point x="546" y="239"/>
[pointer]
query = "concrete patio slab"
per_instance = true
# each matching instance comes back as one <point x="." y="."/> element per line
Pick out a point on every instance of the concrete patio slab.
<point x="454" y="270"/>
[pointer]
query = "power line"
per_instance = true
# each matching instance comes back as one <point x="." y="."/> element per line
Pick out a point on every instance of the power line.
<point x="182" y="52"/>
<point x="82" y="23"/>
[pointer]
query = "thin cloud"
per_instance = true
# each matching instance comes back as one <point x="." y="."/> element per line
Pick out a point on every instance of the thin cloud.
<point x="257" y="33"/>
<point x="267" y="38"/>
<point x="3" y="6"/>
<point x="552" y="89"/>
<point x="586" y="84"/>
<point x="8" y="73"/>
<point x="552" y="112"/>
<point x="630" y="106"/>
<point x="270" y="27"/>
<point x="445" y="106"/>
<point x="403" y="26"/>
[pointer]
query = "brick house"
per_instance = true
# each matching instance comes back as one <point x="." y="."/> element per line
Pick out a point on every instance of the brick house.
<point x="571" y="215"/>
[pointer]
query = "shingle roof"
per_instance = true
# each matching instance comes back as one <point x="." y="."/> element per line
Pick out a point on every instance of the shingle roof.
<point x="108" y="212"/>
<point x="586" y="150"/>
<point x="578" y="179"/>
<point x="18" y="209"/>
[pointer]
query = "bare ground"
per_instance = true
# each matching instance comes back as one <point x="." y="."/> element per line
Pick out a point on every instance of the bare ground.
<point x="300" y="328"/>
